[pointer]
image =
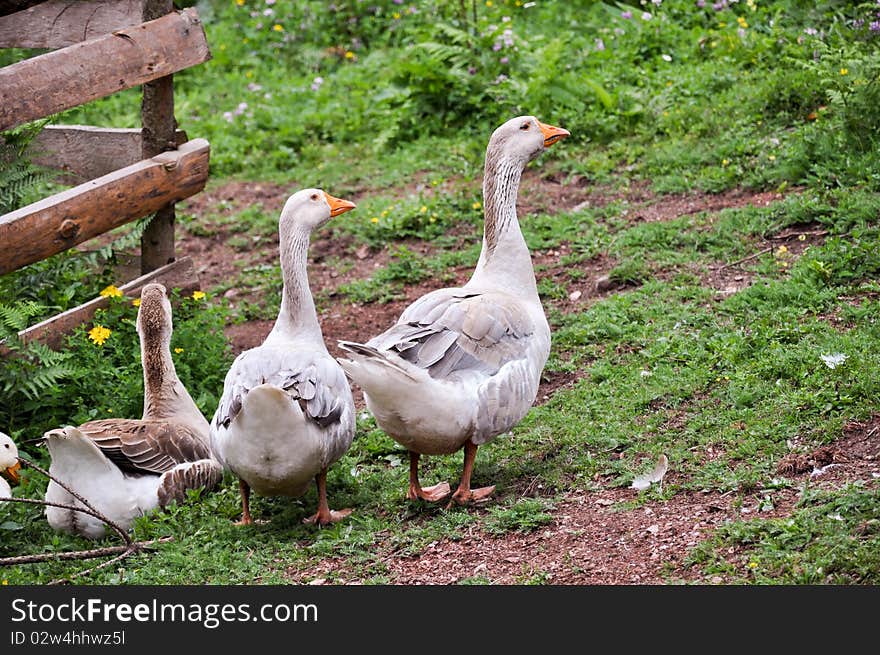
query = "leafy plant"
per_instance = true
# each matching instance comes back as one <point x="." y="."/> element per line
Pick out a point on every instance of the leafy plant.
<point x="18" y="175"/>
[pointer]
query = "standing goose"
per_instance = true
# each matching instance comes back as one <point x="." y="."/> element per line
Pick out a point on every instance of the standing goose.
<point x="287" y="413"/>
<point x="9" y="466"/>
<point x="462" y="365"/>
<point x="128" y="467"/>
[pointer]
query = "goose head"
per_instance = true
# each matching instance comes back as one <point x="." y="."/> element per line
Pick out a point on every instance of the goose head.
<point x="154" y="315"/>
<point x="9" y="466"/>
<point x="309" y="209"/>
<point x="523" y="138"/>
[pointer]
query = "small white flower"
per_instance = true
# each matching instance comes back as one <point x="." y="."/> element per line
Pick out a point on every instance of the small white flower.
<point x="834" y="360"/>
<point x="666" y="57"/>
<point x="645" y="374"/>
<point x="646" y="16"/>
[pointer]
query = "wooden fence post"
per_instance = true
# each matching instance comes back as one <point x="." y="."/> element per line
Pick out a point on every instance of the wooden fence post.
<point x="157" y="119"/>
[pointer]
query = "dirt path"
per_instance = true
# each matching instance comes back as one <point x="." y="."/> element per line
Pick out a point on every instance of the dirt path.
<point x="590" y="539"/>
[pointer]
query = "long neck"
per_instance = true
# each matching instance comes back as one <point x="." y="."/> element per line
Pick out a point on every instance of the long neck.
<point x="297" y="318"/>
<point x="165" y="397"/>
<point x="504" y="260"/>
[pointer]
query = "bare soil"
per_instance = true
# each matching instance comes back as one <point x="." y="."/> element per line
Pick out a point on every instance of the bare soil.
<point x="593" y="538"/>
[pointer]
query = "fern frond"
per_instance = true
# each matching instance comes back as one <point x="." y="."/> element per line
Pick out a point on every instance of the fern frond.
<point x="15" y="317"/>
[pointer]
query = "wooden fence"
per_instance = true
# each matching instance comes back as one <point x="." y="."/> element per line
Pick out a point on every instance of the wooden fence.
<point x="97" y="48"/>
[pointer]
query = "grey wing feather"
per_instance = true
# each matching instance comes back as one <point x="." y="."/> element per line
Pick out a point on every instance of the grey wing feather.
<point x="146" y="446"/>
<point x="313" y="379"/>
<point x="203" y="474"/>
<point x="452" y="330"/>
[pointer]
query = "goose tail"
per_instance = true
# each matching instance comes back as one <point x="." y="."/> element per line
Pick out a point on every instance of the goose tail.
<point x="363" y="355"/>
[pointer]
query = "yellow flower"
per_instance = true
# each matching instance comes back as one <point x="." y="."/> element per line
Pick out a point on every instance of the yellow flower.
<point x="277" y="28"/>
<point x="781" y="250"/>
<point x="99" y="334"/>
<point x="349" y="54"/>
<point x="423" y="210"/>
<point x="136" y="302"/>
<point x="476" y="205"/>
<point x="518" y="3"/>
<point x="6" y="582"/>
<point x="109" y="410"/>
<point x="111" y="292"/>
<point x="725" y="162"/>
<point x="844" y="71"/>
<point x="178" y="350"/>
<point x="384" y="213"/>
<point x="395" y="16"/>
<point x="753" y="564"/>
<point x="488" y="3"/>
<point x="374" y="220"/>
<point x="198" y="295"/>
<point x="742" y="22"/>
<point x="802" y="237"/>
<point x="239" y="2"/>
<point x="249" y="74"/>
<point x="771" y="157"/>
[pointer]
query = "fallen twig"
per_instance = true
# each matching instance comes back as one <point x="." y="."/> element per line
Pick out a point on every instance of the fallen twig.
<point x="792" y="235"/>
<point x="130" y="547"/>
<point x="81" y="554"/>
<point x="135" y="547"/>
<point x="745" y="259"/>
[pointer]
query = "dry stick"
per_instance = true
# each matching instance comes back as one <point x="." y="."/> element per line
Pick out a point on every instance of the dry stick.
<point x="745" y="259"/>
<point x="78" y="554"/>
<point x="137" y="546"/>
<point x="123" y="551"/>
<point x="94" y="512"/>
<point x="814" y="233"/>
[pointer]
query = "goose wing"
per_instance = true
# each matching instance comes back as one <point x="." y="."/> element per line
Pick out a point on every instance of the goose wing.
<point x="453" y="330"/>
<point x="146" y="446"/>
<point x="312" y="378"/>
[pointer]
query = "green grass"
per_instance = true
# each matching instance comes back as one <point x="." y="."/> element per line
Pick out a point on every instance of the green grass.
<point x="691" y="100"/>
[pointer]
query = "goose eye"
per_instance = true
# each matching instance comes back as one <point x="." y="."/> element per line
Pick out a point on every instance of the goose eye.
<point x="6" y="445"/>
<point x="314" y="196"/>
<point x="524" y="126"/>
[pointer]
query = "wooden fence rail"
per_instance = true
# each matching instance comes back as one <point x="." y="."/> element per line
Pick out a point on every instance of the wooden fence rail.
<point x="100" y="47"/>
<point x="54" y="224"/>
<point x="82" y="72"/>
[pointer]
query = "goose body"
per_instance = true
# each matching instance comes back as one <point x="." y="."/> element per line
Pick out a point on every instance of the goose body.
<point x="9" y="465"/>
<point x="286" y="413"/>
<point x="462" y="365"/>
<point x="128" y="467"/>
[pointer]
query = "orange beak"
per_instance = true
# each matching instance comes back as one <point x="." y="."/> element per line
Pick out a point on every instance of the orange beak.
<point x="552" y="134"/>
<point x="12" y="474"/>
<point x="338" y="205"/>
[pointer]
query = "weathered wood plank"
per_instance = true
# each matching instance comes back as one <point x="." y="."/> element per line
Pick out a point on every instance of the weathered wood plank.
<point x="157" y="119"/>
<point x="60" y="23"/>
<point x="58" y="80"/>
<point x="84" y="152"/>
<point x="54" y="224"/>
<point x="180" y="274"/>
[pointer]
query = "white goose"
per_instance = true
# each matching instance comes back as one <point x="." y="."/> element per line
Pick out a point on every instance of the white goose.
<point x="287" y="413"/>
<point x="462" y="365"/>
<point x="128" y="467"/>
<point x="9" y="465"/>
